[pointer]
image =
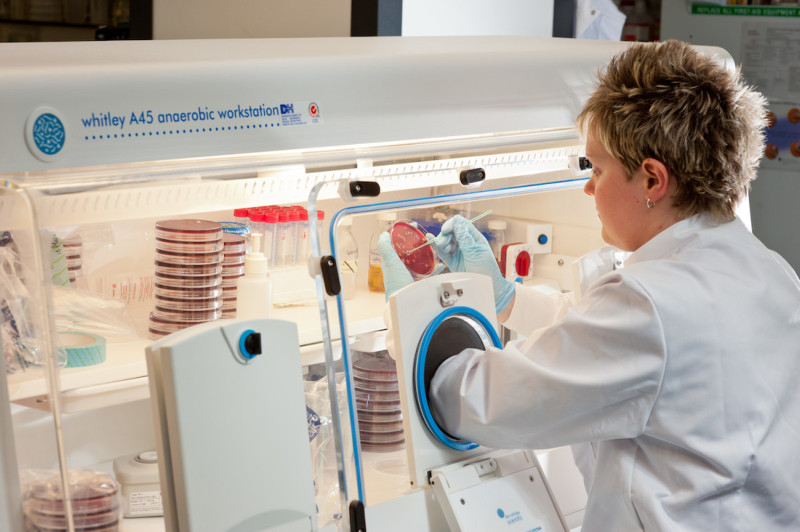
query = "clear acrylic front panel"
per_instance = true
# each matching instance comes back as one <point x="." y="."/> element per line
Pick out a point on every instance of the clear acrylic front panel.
<point x="98" y="264"/>
<point x="538" y="226"/>
<point x="110" y="259"/>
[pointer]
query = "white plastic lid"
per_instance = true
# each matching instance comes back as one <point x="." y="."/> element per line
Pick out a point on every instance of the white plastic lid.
<point x="131" y="470"/>
<point x="255" y="263"/>
<point x="498" y="225"/>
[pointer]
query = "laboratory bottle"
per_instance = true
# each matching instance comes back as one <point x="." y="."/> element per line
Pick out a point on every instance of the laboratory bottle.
<point x="254" y="288"/>
<point x="375" y="272"/>
<point x="240" y="216"/>
<point x="270" y="236"/>
<point x="294" y="223"/>
<point x="302" y="237"/>
<point x="348" y="262"/>
<point x="497" y="237"/>
<point x="284" y="250"/>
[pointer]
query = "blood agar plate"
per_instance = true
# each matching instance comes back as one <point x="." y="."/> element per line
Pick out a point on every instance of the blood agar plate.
<point x="371" y="368"/>
<point x="179" y="281"/>
<point x="187" y="270"/>
<point x="186" y="293"/>
<point x="233" y="259"/>
<point x="377" y="386"/>
<point x="95" y="505"/>
<point x="190" y="305"/>
<point x="371" y="395"/>
<point x="390" y="418"/>
<point x="188" y="230"/>
<point x="188" y="247"/>
<point x="167" y="326"/>
<point x="188" y="259"/>
<point x="408" y="240"/>
<point x="234" y="243"/>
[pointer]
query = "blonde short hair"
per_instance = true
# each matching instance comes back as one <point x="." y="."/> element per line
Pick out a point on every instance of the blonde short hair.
<point x="669" y="102"/>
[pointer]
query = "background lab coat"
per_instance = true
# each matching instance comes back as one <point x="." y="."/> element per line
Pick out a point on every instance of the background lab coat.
<point x="684" y="366"/>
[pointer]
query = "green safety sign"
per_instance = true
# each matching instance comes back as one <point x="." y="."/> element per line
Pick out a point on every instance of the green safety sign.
<point x="746" y="11"/>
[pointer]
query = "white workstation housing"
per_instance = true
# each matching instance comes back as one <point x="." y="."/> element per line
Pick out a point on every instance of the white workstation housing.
<point x="129" y="167"/>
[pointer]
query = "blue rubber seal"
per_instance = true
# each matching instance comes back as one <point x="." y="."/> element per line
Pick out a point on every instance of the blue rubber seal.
<point x="242" y="349"/>
<point x="419" y="372"/>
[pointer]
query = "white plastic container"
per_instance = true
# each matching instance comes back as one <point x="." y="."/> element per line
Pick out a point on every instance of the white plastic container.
<point x="497" y="237"/>
<point x="140" y="491"/>
<point x="254" y="288"/>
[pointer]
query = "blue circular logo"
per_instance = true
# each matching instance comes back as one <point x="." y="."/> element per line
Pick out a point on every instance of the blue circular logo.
<point x="48" y="133"/>
<point x="500" y="513"/>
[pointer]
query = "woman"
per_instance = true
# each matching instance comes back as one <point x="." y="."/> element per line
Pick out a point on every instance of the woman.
<point x="683" y="366"/>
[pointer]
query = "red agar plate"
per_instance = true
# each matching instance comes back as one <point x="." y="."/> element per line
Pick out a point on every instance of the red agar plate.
<point x="405" y="238"/>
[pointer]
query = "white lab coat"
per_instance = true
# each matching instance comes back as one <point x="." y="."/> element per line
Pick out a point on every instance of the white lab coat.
<point x="685" y="368"/>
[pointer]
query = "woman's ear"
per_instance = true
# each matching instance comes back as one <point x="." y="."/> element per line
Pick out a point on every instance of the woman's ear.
<point x="657" y="179"/>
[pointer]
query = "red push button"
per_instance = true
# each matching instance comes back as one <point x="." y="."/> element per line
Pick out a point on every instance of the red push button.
<point x="523" y="264"/>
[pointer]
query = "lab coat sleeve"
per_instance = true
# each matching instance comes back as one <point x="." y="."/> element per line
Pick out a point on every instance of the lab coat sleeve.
<point x="592" y="375"/>
<point x="536" y="307"/>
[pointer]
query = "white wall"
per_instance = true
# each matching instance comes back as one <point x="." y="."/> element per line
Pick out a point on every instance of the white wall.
<point x="213" y="19"/>
<point x="478" y="17"/>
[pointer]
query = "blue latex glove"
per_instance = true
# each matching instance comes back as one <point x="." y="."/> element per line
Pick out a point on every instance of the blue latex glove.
<point x="395" y="273"/>
<point x="464" y="249"/>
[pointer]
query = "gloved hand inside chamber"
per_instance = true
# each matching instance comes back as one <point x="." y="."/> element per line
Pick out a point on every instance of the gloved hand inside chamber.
<point x="395" y="273"/>
<point x="464" y="249"/>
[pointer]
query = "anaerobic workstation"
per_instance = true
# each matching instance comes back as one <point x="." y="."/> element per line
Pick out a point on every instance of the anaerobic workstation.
<point x="276" y="423"/>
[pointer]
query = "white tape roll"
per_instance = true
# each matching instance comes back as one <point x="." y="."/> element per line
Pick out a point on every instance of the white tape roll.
<point x="82" y="348"/>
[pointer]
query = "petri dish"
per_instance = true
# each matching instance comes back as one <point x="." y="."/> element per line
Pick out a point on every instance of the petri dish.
<point x="367" y="385"/>
<point x="378" y="406"/>
<point x="187" y="282"/>
<point x="370" y="395"/>
<point x="188" y="270"/>
<point x="231" y="281"/>
<point x="375" y="369"/>
<point x="164" y="326"/>
<point x="186" y="293"/>
<point x="92" y="493"/>
<point x="367" y="416"/>
<point x="234" y="243"/>
<point x="188" y="230"/>
<point x="190" y="305"/>
<point x="407" y="237"/>
<point x="185" y="316"/>
<point x="233" y="270"/>
<point x="233" y="259"/>
<point x="188" y="247"/>
<point x="187" y="259"/>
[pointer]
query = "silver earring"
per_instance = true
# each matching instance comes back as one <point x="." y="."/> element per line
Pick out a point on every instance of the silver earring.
<point x="650" y="204"/>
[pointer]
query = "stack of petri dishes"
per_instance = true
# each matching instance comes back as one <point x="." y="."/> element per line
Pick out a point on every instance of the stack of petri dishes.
<point x="95" y="502"/>
<point x="188" y="275"/>
<point x="234" y="251"/>
<point x="380" y="417"/>
<point x="73" y="248"/>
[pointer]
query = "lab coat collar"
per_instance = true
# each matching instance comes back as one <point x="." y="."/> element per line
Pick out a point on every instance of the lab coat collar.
<point x="675" y="237"/>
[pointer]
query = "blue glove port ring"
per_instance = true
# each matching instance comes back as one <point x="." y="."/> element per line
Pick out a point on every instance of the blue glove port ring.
<point x="420" y="384"/>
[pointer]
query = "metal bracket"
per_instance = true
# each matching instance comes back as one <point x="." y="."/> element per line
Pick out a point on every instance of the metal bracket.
<point x="449" y="295"/>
